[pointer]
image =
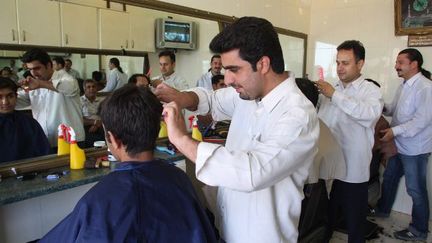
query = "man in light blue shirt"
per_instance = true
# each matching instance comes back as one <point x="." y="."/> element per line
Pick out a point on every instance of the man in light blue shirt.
<point x="411" y="127"/>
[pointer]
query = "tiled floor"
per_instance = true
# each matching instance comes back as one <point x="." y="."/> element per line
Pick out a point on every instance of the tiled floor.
<point x="397" y="221"/>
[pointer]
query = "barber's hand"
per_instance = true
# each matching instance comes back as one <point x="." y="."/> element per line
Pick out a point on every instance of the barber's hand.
<point x="174" y="120"/>
<point x="31" y="83"/>
<point x="166" y="93"/>
<point x="325" y="88"/>
<point x="388" y="135"/>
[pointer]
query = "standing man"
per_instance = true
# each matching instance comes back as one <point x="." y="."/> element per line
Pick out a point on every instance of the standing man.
<point x="215" y="69"/>
<point x="411" y="127"/>
<point x="53" y="96"/>
<point x="167" y="62"/>
<point x="58" y="63"/>
<point x="68" y="67"/>
<point x="351" y="110"/>
<point x="271" y="142"/>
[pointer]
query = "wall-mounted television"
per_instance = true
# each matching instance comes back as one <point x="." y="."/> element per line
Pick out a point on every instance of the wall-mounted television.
<point x="175" y="34"/>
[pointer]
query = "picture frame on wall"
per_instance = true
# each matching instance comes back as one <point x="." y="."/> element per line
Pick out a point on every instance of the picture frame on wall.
<point x="413" y="17"/>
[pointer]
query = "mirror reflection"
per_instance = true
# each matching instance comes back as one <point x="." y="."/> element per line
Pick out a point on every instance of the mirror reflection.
<point x="75" y="102"/>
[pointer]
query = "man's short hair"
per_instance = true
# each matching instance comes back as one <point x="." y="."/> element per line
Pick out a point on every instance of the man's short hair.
<point x="36" y="54"/>
<point x="168" y="54"/>
<point x="7" y="83"/>
<point x="215" y="79"/>
<point x="85" y="82"/>
<point x="309" y="89"/>
<point x="356" y="46"/>
<point x="132" y="114"/>
<point x="134" y="77"/>
<point x="59" y="60"/>
<point x="255" y="38"/>
<point x="68" y="60"/>
<point x="214" y="56"/>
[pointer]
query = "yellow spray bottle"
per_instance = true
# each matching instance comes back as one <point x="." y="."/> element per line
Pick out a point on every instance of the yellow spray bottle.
<point x="62" y="140"/>
<point x="77" y="155"/>
<point x="196" y="134"/>
<point x="163" y="133"/>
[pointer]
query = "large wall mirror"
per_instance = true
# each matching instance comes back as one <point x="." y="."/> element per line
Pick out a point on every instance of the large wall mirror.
<point x="190" y="64"/>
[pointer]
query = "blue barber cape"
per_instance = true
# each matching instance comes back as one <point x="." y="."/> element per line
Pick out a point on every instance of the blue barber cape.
<point x="150" y="201"/>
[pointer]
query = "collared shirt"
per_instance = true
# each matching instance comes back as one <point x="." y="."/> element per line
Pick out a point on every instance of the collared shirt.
<point x="89" y="108"/>
<point x="174" y="81"/>
<point x="115" y="80"/>
<point x="51" y="108"/>
<point x="262" y="168"/>
<point x="351" y="115"/>
<point x="74" y="73"/>
<point x="205" y="81"/>
<point x="412" y="116"/>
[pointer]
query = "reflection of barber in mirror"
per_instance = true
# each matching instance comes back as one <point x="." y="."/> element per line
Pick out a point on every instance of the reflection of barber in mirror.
<point x="21" y="136"/>
<point x="215" y="69"/>
<point x="140" y="80"/>
<point x="90" y="105"/>
<point x="53" y="96"/>
<point x="58" y="63"/>
<point x="167" y="63"/>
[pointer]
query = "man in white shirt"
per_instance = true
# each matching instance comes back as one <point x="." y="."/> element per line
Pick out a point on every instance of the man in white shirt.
<point x="215" y="69"/>
<point x="68" y="67"/>
<point x="271" y="142"/>
<point x="58" y="63"/>
<point x="90" y="104"/>
<point x="53" y="96"/>
<point x="411" y="127"/>
<point x="167" y="62"/>
<point x="351" y="110"/>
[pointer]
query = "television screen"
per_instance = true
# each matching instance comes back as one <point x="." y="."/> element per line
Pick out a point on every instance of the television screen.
<point x="177" y="32"/>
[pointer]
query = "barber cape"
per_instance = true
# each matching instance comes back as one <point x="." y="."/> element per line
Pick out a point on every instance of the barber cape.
<point x="150" y="201"/>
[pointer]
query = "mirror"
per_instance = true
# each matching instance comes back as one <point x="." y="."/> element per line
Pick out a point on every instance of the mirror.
<point x="190" y="64"/>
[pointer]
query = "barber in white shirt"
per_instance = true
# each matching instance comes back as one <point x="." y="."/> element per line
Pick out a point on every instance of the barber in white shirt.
<point x="167" y="63"/>
<point x="351" y="110"/>
<point x="53" y="96"/>
<point x="271" y="142"/>
<point x="215" y="69"/>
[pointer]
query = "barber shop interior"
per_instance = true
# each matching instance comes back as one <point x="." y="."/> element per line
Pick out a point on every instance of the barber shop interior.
<point x="230" y="121"/>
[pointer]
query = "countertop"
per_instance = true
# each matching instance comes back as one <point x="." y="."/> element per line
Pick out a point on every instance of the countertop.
<point x="14" y="190"/>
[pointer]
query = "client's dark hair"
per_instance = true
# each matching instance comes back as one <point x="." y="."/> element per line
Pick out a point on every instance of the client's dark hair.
<point x="308" y="88"/>
<point x="7" y="83"/>
<point x="132" y="114"/>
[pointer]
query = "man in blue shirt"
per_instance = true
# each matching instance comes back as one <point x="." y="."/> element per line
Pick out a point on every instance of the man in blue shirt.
<point x="21" y="136"/>
<point x="143" y="199"/>
<point x="411" y="127"/>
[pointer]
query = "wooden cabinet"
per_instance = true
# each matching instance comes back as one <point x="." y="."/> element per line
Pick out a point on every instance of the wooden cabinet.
<point x="79" y="26"/>
<point x="114" y="30"/>
<point x="39" y="22"/>
<point x="141" y="32"/>
<point x="8" y="24"/>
